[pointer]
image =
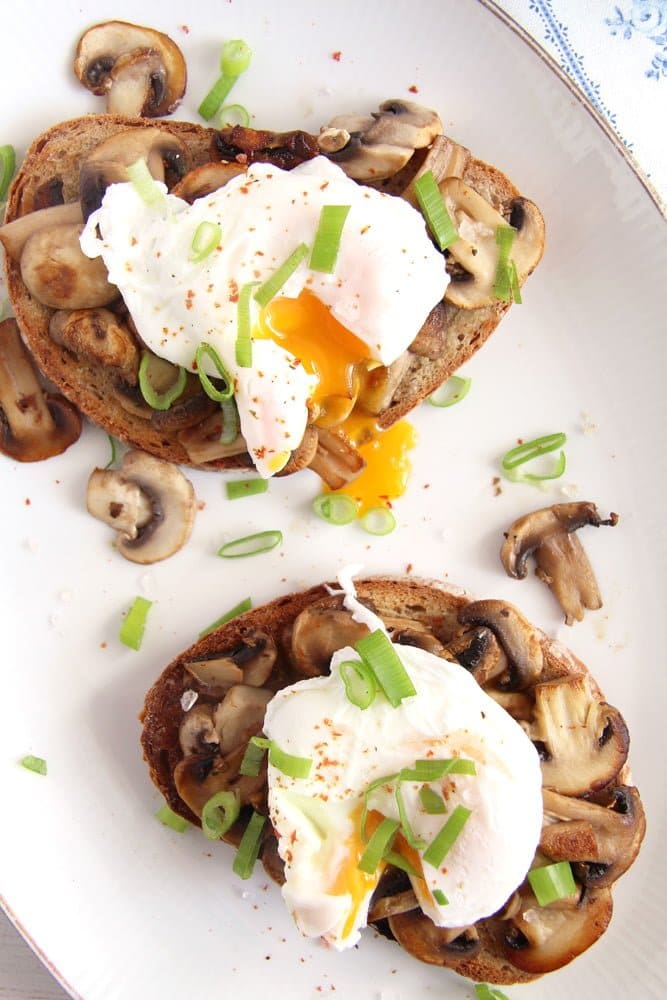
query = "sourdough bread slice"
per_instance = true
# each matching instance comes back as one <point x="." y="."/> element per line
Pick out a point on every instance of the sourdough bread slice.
<point x="515" y="664"/>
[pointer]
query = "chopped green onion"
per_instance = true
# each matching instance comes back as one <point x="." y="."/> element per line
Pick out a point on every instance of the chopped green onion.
<point x="220" y="813"/>
<point x="378" y="653"/>
<point x="251" y="841"/>
<point x="484" y="992"/>
<point x="218" y="395"/>
<point x="171" y="819"/>
<point x="529" y="450"/>
<point x="434" y="210"/>
<point x="431" y="770"/>
<point x="515" y="288"/>
<point x="327" y="238"/>
<point x="442" y="843"/>
<point x="432" y="803"/>
<point x="159" y="400"/>
<point x="251" y="764"/>
<point x="251" y="545"/>
<point x="36" y="764"/>
<point x="216" y="96"/>
<point x="398" y="861"/>
<point x="359" y="682"/>
<point x="238" y="488"/>
<point x="132" y="629"/>
<point x="293" y="767"/>
<point x="531" y="477"/>
<point x="335" y="508"/>
<point x="450" y="392"/>
<point x="377" y="845"/>
<point x="205" y="240"/>
<point x="270" y="288"/>
<point x="505" y="269"/>
<point x="238" y="112"/>
<point x="552" y="882"/>
<point x="440" y="897"/>
<point x="406" y="827"/>
<point x="386" y="779"/>
<point x="7" y="168"/>
<point x="235" y="58"/>
<point x="244" y="330"/>
<point x="238" y="609"/>
<point x="230" y="421"/>
<point x="144" y="183"/>
<point x="112" y="445"/>
<point x="378" y="521"/>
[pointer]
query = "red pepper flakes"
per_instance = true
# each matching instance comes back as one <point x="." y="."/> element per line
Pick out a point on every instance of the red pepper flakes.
<point x="414" y="89"/>
<point x="28" y="501"/>
<point x="185" y="29"/>
<point x="336" y="56"/>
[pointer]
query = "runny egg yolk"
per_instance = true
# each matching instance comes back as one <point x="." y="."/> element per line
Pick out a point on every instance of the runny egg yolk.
<point x="349" y="879"/>
<point x="386" y="455"/>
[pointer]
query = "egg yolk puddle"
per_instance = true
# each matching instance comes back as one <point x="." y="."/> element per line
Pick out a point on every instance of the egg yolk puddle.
<point x="385" y="452"/>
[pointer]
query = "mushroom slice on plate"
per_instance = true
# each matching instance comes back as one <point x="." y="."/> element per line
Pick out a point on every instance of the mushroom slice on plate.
<point x="149" y="500"/>
<point x="15" y="234"/>
<point x="515" y="634"/>
<point x="601" y="841"/>
<point x="583" y="742"/>
<point x="58" y="274"/>
<point x="548" y="534"/>
<point x="99" y="335"/>
<point x="476" y="250"/>
<point x="33" y="425"/>
<point x="142" y="71"/>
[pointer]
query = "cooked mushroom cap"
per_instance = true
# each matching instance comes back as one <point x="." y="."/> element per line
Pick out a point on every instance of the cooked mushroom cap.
<point x="99" y="335"/>
<point x="316" y="635"/>
<point x="583" y="742"/>
<point x="436" y="945"/>
<point x="375" y="146"/>
<point x="142" y="71"/>
<point x="548" y="534"/>
<point x="240" y="715"/>
<point x="163" y="489"/>
<point x="445" y="158"/>
<point x="249" y="662"/>
<point x="303" y="455"/>
<point x="336" y="460"/>
<point x="13" y="235"/>
<point x="379" y="384"/>
<point x="202" y="442"/>
<point x="476" y="249"/>
<point x="478" y="650"/>
<point x="33" y="425"/>
<point x="197" y="733"/>
<point x="515" y="634"/>
<point x="205" y="179"/>
<point x="57" y="272"/>
<point x="200" y="776"/>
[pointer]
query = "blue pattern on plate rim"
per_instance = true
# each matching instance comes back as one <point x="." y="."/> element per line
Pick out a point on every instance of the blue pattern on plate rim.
<point x="648" y="18"/>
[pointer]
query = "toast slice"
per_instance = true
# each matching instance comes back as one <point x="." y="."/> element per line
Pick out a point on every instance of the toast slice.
<point x="107" y="393"/>
<point x="593" y="815"/>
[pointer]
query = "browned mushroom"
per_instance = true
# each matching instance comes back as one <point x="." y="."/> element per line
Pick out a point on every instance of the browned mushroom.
<point x="197" y="733"/>
<point x="436" y="945"/>
<point x="98" y="335"/>
<point x="15" y="234"/>
<point x="379" y="384"/>
<point x="316" y="635"/>
<point x="478" y="650"/>
<point x="548" y="535"/>
<point x="249" y="662"/>
<point x="205" y="179"/>
<point x="515" y="634"/>
<point x="200" y="776"/>
<point x="303" y="455"/>
<point x="33" y="425"/>
<point x="240" y="715"/>
<point x="445" y="158"/>
<point x="57" y="272"/>
<point x="336" y="460"/>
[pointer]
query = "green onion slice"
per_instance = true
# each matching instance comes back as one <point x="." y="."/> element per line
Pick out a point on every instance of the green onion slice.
<point x="406" y="826"/>
<point x="218" y="395"/>
<point x="380" y="656"/>
<point x="171" y="819"/>
<point x="431" y="770"/>
<point x="327" y="238"/>
<point x="515" y="288"/>
<point x="238" y="609"/>
<point x="144" y="183"/>
<point x="450" y="392"/>
<point x="235" y="57"/>
<point x="529" y="450"/>
<point x="359" y="682"/>
<point x="432" y="803"/>
<point x="220" y="813"/>
<point x="206" y="238"/>
<point x="251" y="764"/>
<point x="112" y="446"/>
<point x="440" y="897"/>
<point x="378" y="521"/>
<point x="132" y="629"/>
<point x="380" y="842"/>
<point x="230" y="421"/>
<point x="270" y="288"/>
<point x="238" y="488"/>
<point x="398" y="861"/>
<point x="159" y="400"/>
<point x="442" y="843"/>
<point x="244" y="328"/>
<point x="485" y="992"/>
<point x="7" y="168"/>
<point x="552" y="882"/>
<point x="236" y="114"/>
<point x="251" y="545"/>
<point x="507" y="280"/>
<point x="531" y="477"/>
<point x="336" y="508"/>
<point x="251" y="841"/>
<point x="386" y="779"/>
<point x="36" y="764"/>
<point x="434" y="210"/>
<point x="293" y="767"/>
<point x="216" y="96"/>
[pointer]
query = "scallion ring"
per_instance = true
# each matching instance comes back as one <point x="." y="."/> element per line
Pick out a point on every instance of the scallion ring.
<point x="219" y="814"/>
<point x="529" y="450"/>
<point x="238" y="609"/>
<point x="235" y="57"/>
<point x="336" y="508"/>
<point x="443" y="842"/>
<point x="552" y="882"/>
<point x="515" y="476"/>
<point x="7" y="168"/>
<point x="434" y="210"/>
<point x="234" y="114"/>
<point x="171" y="819"/>
<point x="378" y="521"/>
<point x="132" y="629"/>
<point x="450" y="392"/>
<point x="251" y="545"/>
<point x="238" y="488"/>
<point x="145" y="184"/>
<point x="270" y="288"/>
<point x="248" y="851"/>
<point x="359" y="682"/>
<point x="380" y="842"/>
<point x="159" y="400"/>
<point x="206" y="238"/>
<point x="32" y="763"/>
<point x="326" y="245"/>
<point x="218" y="395"/>
<point x="382" y="659"/>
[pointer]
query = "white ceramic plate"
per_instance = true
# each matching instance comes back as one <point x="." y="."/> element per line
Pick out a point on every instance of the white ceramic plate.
<point x="123" y="907"/>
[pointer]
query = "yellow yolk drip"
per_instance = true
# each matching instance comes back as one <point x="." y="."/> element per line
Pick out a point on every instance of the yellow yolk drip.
<point x="386" y="455"/>
<point x="349" y="879"/>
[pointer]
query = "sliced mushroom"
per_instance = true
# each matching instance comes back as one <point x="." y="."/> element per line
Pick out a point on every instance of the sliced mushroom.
<point x="476" y="250"/>
<point x="544" y="938"/>
<point x="432" y="337"/>
<point x="58" y="274"/>
<point x="98" y="335"/>
<point x="302" y="456"/>
<point x="405" y="634"/>
<point x="316" y="635"/>
<point x="15" y="234"/>
<point x="379" y="384"/>
<point x="108" y="161"/>
<point x="478" y="650"/>
<point x="603" y="840"/>
<point x="186" y="412"/>
<point x="583" y="742"/>
<point x="202" y="442"/>
<point x="33" y="425"/>
<point x="515" y="634"/>
<point x="164" y="506"/>
<point x="548" y="535"/>
<point x="197" y="733"/>
<point x="240" y="715"/>
<point x="200" y="776"/>
<point x="142" y="71"/>
<point x="336" y="459"/>
<point x="249" y="662"/>
<point x="375" y="146"/>
<point x="436" y="945"/>
<point x="203" y="180"/>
